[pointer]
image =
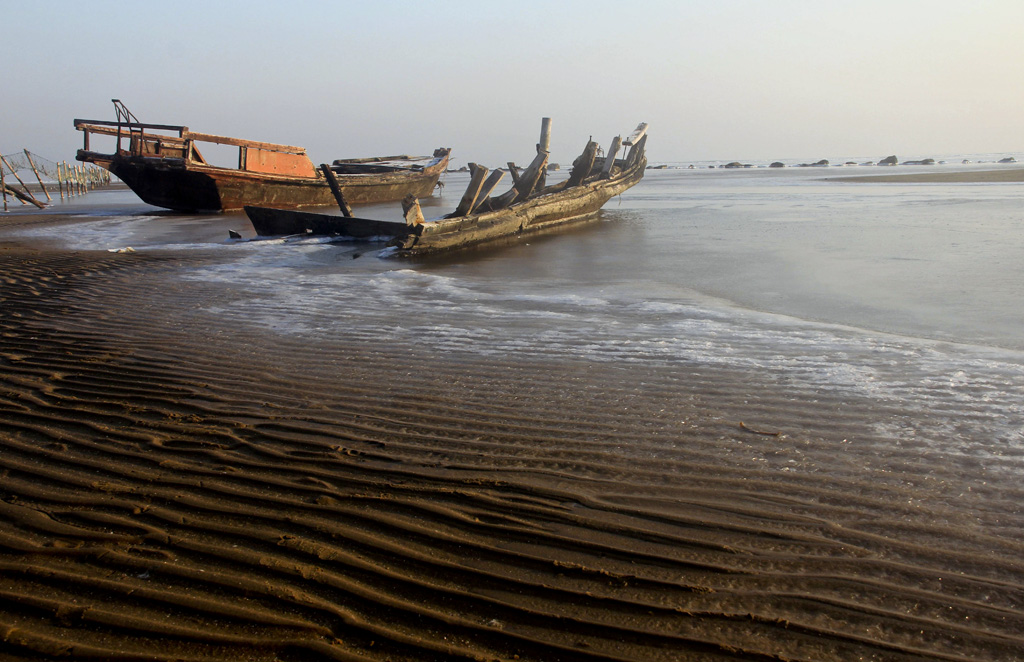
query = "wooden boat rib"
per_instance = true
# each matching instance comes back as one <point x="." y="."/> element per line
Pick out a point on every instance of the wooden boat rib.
<point x="529" y="206"/>
<point x="168" y="170"/>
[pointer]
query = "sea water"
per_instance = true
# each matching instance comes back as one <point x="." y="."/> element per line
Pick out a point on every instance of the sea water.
<point x="904" y="294"/>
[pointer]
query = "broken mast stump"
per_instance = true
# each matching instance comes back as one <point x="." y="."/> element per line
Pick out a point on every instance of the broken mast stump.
<point x="545" y="135"/>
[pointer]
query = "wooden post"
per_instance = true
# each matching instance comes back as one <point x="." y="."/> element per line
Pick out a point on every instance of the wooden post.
<point x="60" y="184"/>
<point x="4" y="161"/>
<point x="609" y="159"/>
<point x="332" y="181"/>
<point x="472" y="191"/>
<point x="3" y="187"/>
<point x="545" y="135"/>
<point x="38" y="178"/>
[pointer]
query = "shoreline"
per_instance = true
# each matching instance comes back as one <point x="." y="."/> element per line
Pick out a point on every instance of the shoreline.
<point x="179" y="486"/>
<point x="1012" y="175"/>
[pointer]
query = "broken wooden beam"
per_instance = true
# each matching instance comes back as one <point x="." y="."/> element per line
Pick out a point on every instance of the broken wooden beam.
<point x="609" y="159"/>
<point x="332" y="181"/>
<point x="486" y="189"/>
<point x="411" y="210"/>
<point x="25" y="197"/>
<point x="638" y="133"/>
<point x="528" y="180"/>
<point x="636" y="152"/>
<point x="513" y="170"/>
<point x="583" y="164"/>
<point x="469" y="198"/>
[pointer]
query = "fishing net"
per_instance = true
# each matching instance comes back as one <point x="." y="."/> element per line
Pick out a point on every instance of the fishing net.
<point x="19" y="161"/>
<point x="20" y="164"/>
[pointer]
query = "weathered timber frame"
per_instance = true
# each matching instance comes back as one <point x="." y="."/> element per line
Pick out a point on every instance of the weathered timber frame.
<point x="253" y="156"/>
<point x="530" y="206"/>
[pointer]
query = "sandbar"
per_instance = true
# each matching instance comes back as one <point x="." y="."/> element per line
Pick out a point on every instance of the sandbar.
<point x="955" y="177"/>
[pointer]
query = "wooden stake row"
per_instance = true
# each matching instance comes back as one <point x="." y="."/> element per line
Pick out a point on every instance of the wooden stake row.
<point x="71" y="181"/>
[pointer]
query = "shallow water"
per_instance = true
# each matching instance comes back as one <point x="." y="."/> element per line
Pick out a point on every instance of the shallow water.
<point x="910" y="294"/>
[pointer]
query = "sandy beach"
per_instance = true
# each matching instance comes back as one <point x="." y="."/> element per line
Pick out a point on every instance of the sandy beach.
<point x="177" y="487"/>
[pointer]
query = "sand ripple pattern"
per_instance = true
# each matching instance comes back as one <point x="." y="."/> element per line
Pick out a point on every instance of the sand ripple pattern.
<point x="174" y="489"/>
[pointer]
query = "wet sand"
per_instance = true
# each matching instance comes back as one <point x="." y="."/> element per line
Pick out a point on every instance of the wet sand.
<point x="958" y="177"/>
<point x="177" y="488"/>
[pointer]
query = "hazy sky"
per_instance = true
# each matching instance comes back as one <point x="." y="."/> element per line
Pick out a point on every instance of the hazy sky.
<point x="716" y="79"/>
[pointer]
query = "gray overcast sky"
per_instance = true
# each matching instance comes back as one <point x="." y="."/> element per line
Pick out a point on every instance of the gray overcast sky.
<point x="716" y="79"/>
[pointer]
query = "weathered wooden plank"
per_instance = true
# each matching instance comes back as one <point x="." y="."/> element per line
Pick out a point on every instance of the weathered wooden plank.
<point x="583" y="164"/>
<point x="332" y="181"/>
<point x="411" y="210"/>
<point x="241" y="142"/>
<point x="513" y="170"/>
<point x="113" y="129"/>
<point x="609" y="159"/>
<point x="636" y="152"/>
<point x="25" y="196"/>
<point x="472" y="193"/>
<point x="638" y="133"/>
<point x="127" y="125"/>
<point x="486" y="189"/>
<point x="528" y="180"/>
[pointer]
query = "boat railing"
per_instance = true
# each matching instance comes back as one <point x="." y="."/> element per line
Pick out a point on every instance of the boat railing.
<point x="253" y="156"/>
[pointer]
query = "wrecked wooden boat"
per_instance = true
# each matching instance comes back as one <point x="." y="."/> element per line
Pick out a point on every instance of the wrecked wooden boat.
<point x="529" y="206"/>
<point x="163" y="165"/>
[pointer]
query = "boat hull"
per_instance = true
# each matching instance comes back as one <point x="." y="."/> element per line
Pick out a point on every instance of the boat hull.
<point x="527" y="208"/>
<point x="172" y="184"/>
<point x="270" y="222"/>
<point x="546" y="211"/>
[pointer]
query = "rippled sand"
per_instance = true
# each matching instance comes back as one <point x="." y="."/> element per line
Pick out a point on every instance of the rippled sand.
<point x="174" y="488"/>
